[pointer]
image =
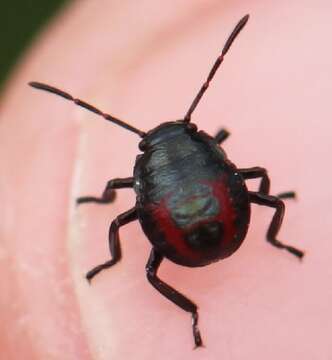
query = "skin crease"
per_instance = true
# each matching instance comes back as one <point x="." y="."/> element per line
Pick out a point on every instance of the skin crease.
<point x="144" y="65"/>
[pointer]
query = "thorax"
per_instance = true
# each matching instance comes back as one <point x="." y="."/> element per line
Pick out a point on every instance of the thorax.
<point x="180" y="163"/>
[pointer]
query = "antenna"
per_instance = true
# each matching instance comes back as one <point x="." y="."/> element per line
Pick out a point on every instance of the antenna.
<point x="240" y="25"/>
<point x="85" y="105"/>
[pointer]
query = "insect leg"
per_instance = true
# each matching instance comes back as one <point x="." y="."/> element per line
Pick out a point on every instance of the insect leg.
<point x="264" y="187"/>
<point x="221" y="136"/>
<point x="171" y="294"/>
<point x="275" y="202"/>
<point x="114" y="243"/>
<point x="287" y="195"/>
<point x="108" y="194"/>
<point x="257" y="172"/>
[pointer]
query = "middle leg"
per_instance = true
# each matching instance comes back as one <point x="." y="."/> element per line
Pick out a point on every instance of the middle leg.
<point x="257" y="172"/>
<point x="114" y="243"/>
<point x="276" y="203"/>
<point x="264" y="186"/>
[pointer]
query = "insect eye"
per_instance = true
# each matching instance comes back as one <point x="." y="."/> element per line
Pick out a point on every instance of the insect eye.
<point x="142" y="145"/>
<point x="192" y="127"/>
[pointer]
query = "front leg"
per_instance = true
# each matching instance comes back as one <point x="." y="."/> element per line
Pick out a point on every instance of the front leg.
<point x="171" y="294"/>
<point x="108" y="194"/>
<point x="221" y="136"/>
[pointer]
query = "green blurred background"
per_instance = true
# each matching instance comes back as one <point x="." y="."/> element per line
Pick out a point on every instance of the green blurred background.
<point x="20" y="21"/>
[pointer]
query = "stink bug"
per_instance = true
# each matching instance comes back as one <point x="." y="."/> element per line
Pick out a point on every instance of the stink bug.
<point x="191" y="201"/>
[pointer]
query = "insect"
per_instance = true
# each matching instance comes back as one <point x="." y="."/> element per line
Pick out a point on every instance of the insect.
<point x="191" y="201"/>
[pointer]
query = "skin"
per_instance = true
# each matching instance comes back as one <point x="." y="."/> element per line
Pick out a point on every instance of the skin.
<point x="145" y="65"/>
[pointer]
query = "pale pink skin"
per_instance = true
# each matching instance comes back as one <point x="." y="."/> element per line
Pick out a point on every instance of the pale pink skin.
<point x="145" y="64"/>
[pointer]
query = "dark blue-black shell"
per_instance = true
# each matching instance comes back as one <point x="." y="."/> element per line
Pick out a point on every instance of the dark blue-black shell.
<point x="191" y="201"/>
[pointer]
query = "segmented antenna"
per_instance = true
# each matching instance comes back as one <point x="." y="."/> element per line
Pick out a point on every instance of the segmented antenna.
<point x="216" y="65"/>
<point x="85" y="105"/>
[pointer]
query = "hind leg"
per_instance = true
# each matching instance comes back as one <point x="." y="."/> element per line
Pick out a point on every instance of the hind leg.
<point x="171" y="294"/>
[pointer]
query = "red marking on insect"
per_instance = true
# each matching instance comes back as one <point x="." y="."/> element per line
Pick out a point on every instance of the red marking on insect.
<point x="227" y="214"/>
<point x="176" y="235"/>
